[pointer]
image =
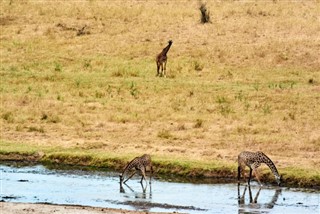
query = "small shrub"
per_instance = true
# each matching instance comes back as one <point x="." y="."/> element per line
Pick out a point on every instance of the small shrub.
<point x="134" y="90"/>
<point x="181" y="127"/>
<point x="51" y="118"/>
<point x="221" y="99"/>
<point x="87" y="64"/>
<point x="19" y="128"/>
<point x="239" y="96"/>
<point x="57" y="67"/>
<point x="124" y="71"/>
<point x="198" y="124"/>
<point x="8" y="116"/>
<point x="99" y="94"/>
<point x="164" y="134"/>
<point x="246" y="106"/>
<point x="256" y="86"/>
<point x="54" y="119"/>
<point x="59" y="97"/>
<point x="29" y="89"/>
<point x="44" y="116"/>
<point x="78" y="82"/>
<point x="292" y="116"/>
<point x="198" y="66"/>
<point x="205" y="14"/>
<point x="225" y="109"/>
<point x="266" y="109"/>
<point x="224" y="106"/>
<point x="117" y="73"/>
<point x="311" y="81"/>
<point x="81" y="94"/>
<point x="282" y="85"/>
<point x="35" y="129"/>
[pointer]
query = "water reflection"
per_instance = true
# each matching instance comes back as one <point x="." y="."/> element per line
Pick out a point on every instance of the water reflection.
<point x="134" y="197"/>
<point x="138" y="194"/>
<point x="253" y="206"/>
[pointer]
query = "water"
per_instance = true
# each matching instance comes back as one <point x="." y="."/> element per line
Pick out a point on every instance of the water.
<point x="36" y="184"/>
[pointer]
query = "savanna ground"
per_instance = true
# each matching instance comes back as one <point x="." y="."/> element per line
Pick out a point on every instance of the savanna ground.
<point x="78" y="84"/>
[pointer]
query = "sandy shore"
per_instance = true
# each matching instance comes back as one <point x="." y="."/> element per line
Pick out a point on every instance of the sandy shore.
<point x="25" y="208"/>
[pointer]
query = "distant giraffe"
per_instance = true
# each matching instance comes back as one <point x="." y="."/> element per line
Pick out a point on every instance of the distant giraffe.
<point x="162" y="60"/>
<point x="139" y="164"/>
<point x="253" y="160"/>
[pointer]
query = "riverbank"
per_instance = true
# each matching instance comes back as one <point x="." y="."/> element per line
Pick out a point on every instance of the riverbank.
<point x="27" y="208"/>
<point x="184" y="170"/>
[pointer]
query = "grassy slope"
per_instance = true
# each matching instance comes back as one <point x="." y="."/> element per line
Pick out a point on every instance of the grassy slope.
<point x="248" y="81"/>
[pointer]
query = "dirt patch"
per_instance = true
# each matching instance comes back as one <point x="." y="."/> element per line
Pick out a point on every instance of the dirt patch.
<point x="6" y="20"/>
<point x="143" y="205"/>
<point x="23" y="208"/>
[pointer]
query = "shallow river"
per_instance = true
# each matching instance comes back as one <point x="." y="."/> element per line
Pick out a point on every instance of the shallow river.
<point x="36" y="184"/>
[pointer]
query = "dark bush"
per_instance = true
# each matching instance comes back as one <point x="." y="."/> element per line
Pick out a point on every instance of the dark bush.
<point x="205" y="14"/>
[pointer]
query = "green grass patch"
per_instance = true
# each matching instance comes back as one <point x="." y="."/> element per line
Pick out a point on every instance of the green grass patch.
<point x="164" y="166"/>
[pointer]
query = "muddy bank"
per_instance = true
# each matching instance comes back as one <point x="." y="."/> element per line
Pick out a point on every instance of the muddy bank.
<point x="27" y="208"/>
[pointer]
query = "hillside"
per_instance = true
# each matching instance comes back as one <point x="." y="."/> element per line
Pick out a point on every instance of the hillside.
<point x="79" y="80"/>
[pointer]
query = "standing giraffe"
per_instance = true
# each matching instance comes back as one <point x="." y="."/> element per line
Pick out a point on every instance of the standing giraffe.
<point x="253" y="160"/>
<point x="139" y="164"/>
<point x="162" y="60"/>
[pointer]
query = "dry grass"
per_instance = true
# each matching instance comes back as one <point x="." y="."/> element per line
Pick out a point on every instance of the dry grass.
<point x="83" y="76"/>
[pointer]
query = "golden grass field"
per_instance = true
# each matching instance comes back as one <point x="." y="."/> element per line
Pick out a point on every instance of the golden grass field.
<point x="78" y="78"/>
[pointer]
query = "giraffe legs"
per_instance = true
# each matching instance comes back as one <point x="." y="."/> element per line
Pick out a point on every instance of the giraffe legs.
<point x="151" y="172"/>
<point x="158" y="69"/>
<point x="255" y="171"/>
<point x="241" y="198"/>
<point x="161" y="68"/>
<point x="255" y="199"/>
<point x="130" y="176"/>
<point x="257" y="195"/>
<point x="250" y="174"/>
<point x="143" y="172"/>
<point x="239" y="173"/>
<point x="161" y="72"/>
<point x="165" y="68"/>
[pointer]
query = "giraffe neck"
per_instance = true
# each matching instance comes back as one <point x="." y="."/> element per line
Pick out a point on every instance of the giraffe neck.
<point x="270" y="164"/>
<point x="130" y="165"/>
<point x="166" y="49"/>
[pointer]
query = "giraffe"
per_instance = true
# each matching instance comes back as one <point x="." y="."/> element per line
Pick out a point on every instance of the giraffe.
<point x="139" y="164"/>
<point x="253" y="160"/>
<point x="162" y="60"/>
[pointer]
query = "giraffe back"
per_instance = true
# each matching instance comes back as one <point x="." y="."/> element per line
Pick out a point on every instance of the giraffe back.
<point x="247" y="158"/>
<point x="138" y="163"/>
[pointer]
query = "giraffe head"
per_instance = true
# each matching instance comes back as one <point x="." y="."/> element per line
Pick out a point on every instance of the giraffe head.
<point x="170" y="42"/>
<point x="278" y="179"/>
<point x="121" y="178"/>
